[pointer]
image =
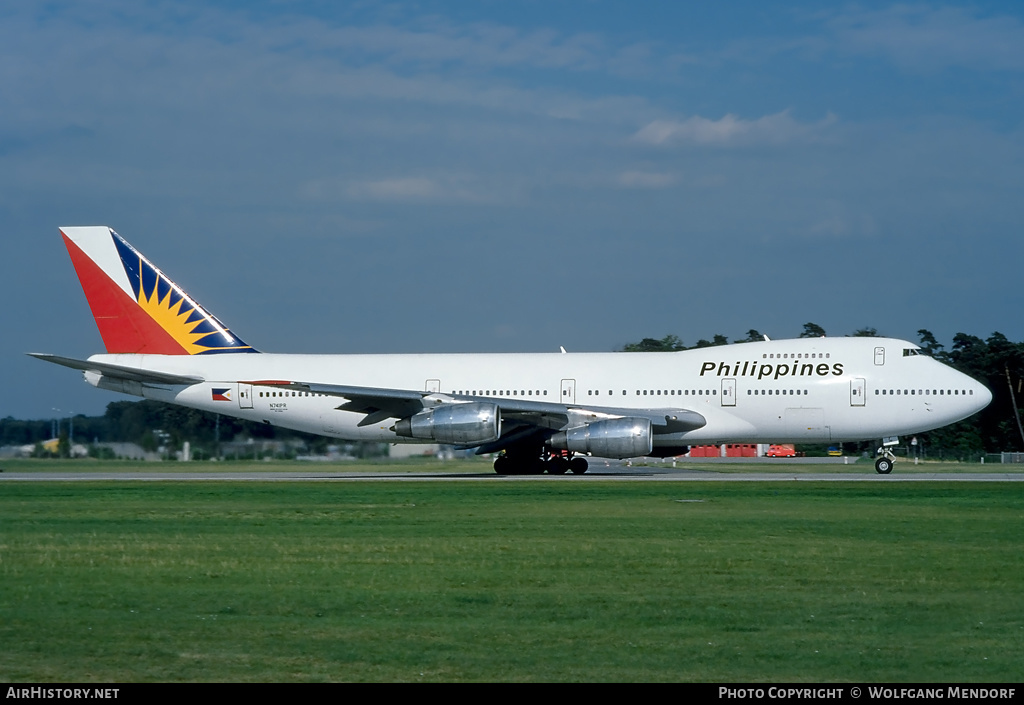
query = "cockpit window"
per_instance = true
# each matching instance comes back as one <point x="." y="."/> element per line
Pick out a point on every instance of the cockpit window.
<point x="908" y="352"/>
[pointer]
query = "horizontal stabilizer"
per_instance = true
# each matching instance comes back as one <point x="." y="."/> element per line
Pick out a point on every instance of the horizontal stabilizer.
<point x="133" y="374"/>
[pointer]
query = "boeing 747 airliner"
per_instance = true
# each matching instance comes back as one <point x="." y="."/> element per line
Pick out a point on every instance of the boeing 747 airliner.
<point x="540" y="412"/>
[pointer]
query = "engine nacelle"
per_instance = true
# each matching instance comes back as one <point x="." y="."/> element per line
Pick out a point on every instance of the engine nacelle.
<point x="458" y="424"/>
<point x="615" y="438"/>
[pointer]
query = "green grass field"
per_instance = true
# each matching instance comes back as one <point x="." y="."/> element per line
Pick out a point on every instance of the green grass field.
<point x="511" y="581"/>
<point x="85" y="465"/>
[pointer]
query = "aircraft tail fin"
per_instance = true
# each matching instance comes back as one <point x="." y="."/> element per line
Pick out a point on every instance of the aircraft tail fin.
<point x="137" y="308"/>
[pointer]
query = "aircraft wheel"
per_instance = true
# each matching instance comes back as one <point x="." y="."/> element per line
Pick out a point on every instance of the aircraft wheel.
<point x="578" y="465"/>
<point x="557" y="466"/>
<point x="883" y="466"/>
<point x="503" y="466"/>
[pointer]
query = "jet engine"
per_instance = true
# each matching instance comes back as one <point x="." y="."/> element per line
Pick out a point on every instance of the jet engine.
<point x="615" y="438"/>
<point x="459" y="424"/>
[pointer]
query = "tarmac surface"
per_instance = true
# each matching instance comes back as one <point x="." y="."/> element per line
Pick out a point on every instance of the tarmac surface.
<point x="597" y="472"/>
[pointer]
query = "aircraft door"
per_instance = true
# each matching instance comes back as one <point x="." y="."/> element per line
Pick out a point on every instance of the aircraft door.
<point x="879" y="356"/>
<point x="568" y="391"/>
<point x="857" y="387"/>
<point x="728" y="392"/>
<point x="244" y="396"/>
<point x="432" y="385"/>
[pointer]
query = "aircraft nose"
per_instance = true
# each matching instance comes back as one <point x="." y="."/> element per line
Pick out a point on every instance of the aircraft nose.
<point x="983" y="395"/>
<point x="980" y="396"/>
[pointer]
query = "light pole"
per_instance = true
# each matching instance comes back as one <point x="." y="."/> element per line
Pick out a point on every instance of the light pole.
<point x="71" y="427"/>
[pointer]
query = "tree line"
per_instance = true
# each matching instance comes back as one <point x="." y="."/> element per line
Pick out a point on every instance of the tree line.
<point x="151" y="425"/>
<point x="672" y="343"/>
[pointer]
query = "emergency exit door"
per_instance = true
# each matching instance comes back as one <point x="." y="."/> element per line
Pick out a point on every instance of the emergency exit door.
<point x="244" y="396"/>
<point x="568" y="391"/>
<point x="857" y="388"/>
<point x="728" y="392"/>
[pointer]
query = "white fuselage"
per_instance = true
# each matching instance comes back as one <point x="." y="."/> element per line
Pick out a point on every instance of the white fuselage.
<point x="802" y="390"/>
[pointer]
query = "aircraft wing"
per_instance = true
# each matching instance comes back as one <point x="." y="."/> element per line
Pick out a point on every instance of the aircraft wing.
<point x="132" y="374"/>
<point x="559" y="416"/>
<point x="379" y="404"/>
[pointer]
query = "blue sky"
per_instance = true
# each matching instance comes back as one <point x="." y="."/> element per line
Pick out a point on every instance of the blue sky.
<point x="513" y="176"/>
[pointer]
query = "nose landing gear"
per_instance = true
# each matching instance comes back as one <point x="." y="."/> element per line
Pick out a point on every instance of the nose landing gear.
<point x="885" y="460"/>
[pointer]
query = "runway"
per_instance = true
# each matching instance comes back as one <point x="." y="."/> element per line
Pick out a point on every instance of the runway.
<point x="595" y="474"/>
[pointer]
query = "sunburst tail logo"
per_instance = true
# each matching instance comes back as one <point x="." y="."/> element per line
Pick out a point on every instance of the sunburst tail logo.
<point x="195" y="329"/>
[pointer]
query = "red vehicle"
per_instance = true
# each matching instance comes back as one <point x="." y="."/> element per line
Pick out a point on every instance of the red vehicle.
<point x="781" y="451"/>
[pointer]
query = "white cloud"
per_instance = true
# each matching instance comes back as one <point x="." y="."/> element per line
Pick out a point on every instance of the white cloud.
<point x="924" y="38"/>
<point x="842" y="225"/>
<point x="731" y="130"/>
<point x="476" y="45"/>
<point x="645" y="179"/>
<point x="402" y="189"/>
<point x="222" y="59"/>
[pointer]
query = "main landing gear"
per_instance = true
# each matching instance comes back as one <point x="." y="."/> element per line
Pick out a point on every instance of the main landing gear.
<point x="528" y="463"/>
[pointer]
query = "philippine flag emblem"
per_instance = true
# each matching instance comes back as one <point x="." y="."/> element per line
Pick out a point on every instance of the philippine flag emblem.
<point x="222" y="394"/>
